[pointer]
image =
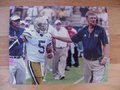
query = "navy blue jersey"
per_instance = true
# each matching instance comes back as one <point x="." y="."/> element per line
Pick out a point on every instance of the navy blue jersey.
<point x="92" y="42"/>
<point x="17" y="49"/>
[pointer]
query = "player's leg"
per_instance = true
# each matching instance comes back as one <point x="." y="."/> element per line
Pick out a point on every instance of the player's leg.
<point x="35" y="71"/>
<point x="21" y="71"/>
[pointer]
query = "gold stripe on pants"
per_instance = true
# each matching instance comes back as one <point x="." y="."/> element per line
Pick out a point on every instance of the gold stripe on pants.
<point x="35" y="71"/>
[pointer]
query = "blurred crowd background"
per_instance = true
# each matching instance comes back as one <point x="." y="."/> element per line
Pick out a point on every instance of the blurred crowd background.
<point x="73" y="14"/>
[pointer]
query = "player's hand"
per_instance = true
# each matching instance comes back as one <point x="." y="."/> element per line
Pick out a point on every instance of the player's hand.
<point x="23" y="38"/>
<point x="50" y="55"/>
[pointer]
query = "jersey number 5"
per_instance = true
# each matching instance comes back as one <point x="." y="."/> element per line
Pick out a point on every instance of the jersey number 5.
<point x="41" y="46"/>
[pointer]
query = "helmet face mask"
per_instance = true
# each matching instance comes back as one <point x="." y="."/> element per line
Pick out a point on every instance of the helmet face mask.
<point x="41" y="25"/>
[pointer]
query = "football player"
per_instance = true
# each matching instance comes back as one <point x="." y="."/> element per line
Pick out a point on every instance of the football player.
<point x="38" y="46"/>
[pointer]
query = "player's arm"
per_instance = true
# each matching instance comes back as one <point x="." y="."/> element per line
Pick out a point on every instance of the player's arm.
<point x="23" y="38"/>
<point x="26" y="36"/>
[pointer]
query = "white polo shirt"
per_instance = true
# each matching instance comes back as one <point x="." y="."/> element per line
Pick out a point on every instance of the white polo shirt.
<point x="64" y="33"/>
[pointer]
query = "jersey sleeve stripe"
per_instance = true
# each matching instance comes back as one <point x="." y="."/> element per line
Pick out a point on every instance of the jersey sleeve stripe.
<point x="27" y="34"/>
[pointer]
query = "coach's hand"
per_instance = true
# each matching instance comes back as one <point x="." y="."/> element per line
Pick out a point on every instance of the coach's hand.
<point x="104" y="60"/>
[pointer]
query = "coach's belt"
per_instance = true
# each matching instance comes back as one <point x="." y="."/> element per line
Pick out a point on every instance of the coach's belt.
<point x="94" y="59"/>
<point x="17" y="57"/>
<point x="60" y="47"/>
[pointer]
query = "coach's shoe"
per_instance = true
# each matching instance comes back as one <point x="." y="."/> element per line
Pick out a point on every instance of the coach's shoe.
<point x="66" y="69"/>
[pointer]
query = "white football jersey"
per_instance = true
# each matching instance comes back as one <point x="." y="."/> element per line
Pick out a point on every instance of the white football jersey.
<point x="36" y="45"/>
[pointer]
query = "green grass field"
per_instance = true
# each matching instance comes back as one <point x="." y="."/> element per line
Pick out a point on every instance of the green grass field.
<point x="71" y="77"/>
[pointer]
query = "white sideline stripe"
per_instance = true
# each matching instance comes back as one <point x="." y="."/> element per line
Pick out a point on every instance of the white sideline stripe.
<point x="78" y="81"/>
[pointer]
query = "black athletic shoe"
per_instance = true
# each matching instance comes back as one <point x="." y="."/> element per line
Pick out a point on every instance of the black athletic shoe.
<point x="61" y="78"/>
<point x="66" y="69"/>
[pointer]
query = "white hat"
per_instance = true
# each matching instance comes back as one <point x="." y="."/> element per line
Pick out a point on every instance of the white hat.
<point x="57" y="21"/>
<point x="28" y="18"/>
<point x="15" y="17"/>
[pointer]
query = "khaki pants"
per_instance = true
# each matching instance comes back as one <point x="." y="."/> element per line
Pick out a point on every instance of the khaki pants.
<point x="94" y="70"/>
<point x="59" y="61"/>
